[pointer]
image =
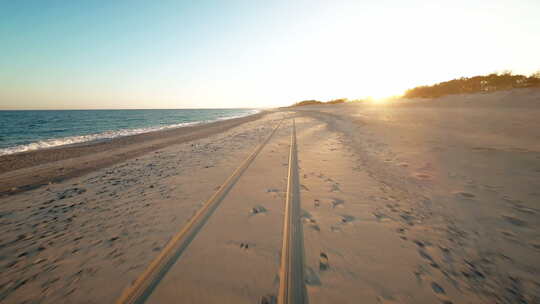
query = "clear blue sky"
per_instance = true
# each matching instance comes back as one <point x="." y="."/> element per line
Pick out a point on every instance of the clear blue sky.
<point x="185" y="54"/>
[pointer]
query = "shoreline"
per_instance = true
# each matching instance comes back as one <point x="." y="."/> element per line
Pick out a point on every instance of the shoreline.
<point x="105" y="135"/>
<point x="32" y="169"/>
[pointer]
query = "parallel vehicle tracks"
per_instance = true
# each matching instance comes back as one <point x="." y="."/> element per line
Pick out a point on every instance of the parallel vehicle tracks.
<point x="291" y="289"/>
<point x="291" y="285"/>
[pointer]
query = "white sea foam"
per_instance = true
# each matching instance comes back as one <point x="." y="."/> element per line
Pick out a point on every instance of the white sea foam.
<point x="55" y="142"/>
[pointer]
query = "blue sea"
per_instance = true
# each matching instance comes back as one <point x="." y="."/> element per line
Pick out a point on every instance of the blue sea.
<point x="32" y="130"/>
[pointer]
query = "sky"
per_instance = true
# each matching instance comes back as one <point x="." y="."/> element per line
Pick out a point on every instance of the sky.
<point x="257" y="53"/>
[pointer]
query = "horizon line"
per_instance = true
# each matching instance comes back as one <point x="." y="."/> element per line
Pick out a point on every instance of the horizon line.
<point x="122" y="109"/>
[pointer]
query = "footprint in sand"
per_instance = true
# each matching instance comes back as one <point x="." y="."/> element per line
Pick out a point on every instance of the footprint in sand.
<point x="424" y="254"/>
<point x="422" y="176"/>
<point x="380" y="216"/>
<point x="336" y="202"/>
<point x="68" y="193"/>
<point x="345" y="218"/>
<point x="407" y="217"/>
<point x="323" y="262"/>
<point x="401" y="230"/>
<point x="464" y="195"/>
<point x="524" y="209"/>
<point x="312" y="223"/>
<point x="507" y="234"/>
<point x="437" y="288"/>
<point x="258" y="210"/>
<point x="419" y="243"/>
<point x="315" y="227"/>
<point x="440" y="292"/>
<point x="335" y="187"/>
<point x="514" y="220"/>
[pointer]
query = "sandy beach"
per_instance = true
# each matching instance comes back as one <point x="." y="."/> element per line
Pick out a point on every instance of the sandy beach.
<point x="56" y="164"/>
<point x="412" y="201"/>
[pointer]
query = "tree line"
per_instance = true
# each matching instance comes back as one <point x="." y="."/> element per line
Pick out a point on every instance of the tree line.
<point x="317" y="102"/>
<point x="488" y="83"/>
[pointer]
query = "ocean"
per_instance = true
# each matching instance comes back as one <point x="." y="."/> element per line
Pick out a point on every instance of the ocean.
<point x="32" y="130"/>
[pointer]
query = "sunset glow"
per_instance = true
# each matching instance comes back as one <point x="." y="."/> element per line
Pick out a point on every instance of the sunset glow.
<point x="252" y="54"/>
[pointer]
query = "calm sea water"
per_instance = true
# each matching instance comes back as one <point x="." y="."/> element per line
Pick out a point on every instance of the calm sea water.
<point x="31" y="130"/>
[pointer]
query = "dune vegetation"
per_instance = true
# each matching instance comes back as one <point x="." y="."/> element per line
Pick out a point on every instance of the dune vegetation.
<point x="465" y="85"/>
<point x="487" y="83"/>
<point x="317" y="102"/>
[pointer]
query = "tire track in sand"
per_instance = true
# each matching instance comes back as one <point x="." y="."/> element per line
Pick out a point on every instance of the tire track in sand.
<point x="143" y="286"/>
<point x="292" y="288"/>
